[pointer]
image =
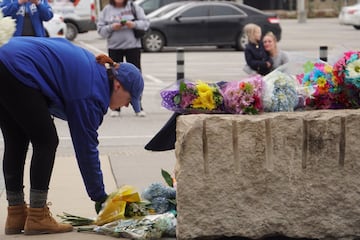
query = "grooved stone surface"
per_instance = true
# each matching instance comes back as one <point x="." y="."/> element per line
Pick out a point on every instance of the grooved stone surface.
<point x="295" y="174"/>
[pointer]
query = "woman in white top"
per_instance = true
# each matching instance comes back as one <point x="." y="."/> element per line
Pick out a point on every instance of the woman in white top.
<point x="270" y="44"/>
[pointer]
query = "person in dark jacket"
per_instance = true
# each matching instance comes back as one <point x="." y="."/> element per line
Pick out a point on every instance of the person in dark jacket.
<point x="49" y="77"/>
<point x="29" y="16"/>
<point x="257" y="59"/>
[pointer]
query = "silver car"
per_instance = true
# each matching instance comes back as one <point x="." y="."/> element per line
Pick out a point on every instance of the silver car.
<point x="55" y="27"/>
<point x="350" y="15"/>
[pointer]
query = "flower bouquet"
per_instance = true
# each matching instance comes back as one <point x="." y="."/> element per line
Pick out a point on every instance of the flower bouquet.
<point x="115" y="205"/>
<point x="323" y="88"/>
<point x="280" y="92"/>
<point x="347" y="74"/>
<point x="148" y="227"/>
<point x="189" y="97"/>
<point x="162" y="198"/>
<point x="243" y="97"/>
<point x="7" y="28"/>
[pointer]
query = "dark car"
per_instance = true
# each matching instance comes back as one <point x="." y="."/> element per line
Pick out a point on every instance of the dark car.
<point x="151" y="5"/>
<point x="205" y="23"/>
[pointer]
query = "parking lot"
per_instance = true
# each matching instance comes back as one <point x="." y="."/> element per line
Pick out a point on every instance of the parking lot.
<point x="123" y="138"/>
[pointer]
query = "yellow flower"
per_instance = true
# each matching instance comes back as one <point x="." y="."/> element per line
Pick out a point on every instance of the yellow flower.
<point x="205" y="100"/>
<point x="328" y="68"/>
<point x="321" y="81"/>
<point x="334" y="81"/>
<point x="202" y="87"/>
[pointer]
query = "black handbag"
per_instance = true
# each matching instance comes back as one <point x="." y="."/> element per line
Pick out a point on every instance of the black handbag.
<point x="139" y="33"/>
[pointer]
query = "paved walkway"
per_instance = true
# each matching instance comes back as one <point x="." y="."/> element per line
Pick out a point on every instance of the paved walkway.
<point x="67" y="193"/>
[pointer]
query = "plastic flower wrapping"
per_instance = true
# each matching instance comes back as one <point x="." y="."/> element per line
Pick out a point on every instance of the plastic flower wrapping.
<point x="125" y="215"/>
<point x="148" y="227"/>
<point x="115" y="205"/>
<point x="190" y="97"/>
<point x="347" y="72"/>
<point x="280" y="92"/>
<point x="321" y="85"/>
<point x="161" y="197"/>
<point x="7" y="28"/>
<point x="243" y="97"/>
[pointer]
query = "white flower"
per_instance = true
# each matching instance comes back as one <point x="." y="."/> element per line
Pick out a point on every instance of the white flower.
<point x="353" y="69"/>
<point x="7" y="28"/>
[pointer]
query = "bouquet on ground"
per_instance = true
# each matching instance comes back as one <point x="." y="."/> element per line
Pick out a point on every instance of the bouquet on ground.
<point x="243" y="97"/>
<point x="280" y="92"/>
<point x="125" y="200"/>
<point x="123" y="203"/>
<point x="347" y="73"/>
<point x="162" y="197"/>
<point x="148" y="227"/>
<point x="323" y="87"/>
<point x="190" y="97"/>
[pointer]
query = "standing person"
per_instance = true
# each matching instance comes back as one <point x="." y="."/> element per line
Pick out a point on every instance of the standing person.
<point x="29" y="16"/>
<point x="48" y="77"/>
<point x="270" y="44"/>
<point x="257" y="59"/>
<point x="116" y="23"/>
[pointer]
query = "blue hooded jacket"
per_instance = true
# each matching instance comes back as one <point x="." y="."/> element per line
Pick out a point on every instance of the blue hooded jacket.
<point x="38" y="14"/>
<point x="77" y="89"/>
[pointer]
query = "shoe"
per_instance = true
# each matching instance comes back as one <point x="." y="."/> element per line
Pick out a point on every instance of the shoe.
<point x="40" y="221"/>
<point x="16" y="218"/>
<point x="141" y="114"/>
<point x="114" y="113"/>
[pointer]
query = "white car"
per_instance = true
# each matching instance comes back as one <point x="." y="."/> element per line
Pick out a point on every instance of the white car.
<point x="55" y="27"/>
<point x="350" y="15"/>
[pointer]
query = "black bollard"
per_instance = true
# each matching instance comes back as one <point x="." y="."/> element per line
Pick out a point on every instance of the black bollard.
<point x="180" y="64"/>
<point x="323" y="53"/>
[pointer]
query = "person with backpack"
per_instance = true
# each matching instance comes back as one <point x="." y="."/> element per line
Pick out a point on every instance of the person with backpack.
<point x="117" y="23"/>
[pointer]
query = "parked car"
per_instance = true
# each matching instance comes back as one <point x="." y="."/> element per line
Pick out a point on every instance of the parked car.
<point x="55" y="27"/>
<point x="207" y="23"/>
<point x="350" y="15"/>
<point x="151" y="5"/>
<point x="79" y="15"/>
<point x="164" y="10"/>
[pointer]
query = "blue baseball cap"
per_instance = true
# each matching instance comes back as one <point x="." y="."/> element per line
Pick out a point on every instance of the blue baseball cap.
<point x="131" y="79"/>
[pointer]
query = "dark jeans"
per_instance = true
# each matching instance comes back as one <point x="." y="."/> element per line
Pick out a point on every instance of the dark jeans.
<point x="24" y="119"/>
<point x="132" y="55"/>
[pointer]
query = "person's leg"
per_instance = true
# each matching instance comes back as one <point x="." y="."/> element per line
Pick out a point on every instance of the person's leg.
<point x="36" y="124"/>
<point x="16" y="145"/>
<point x="118" y="56"/>
<point x="133" y="56"/>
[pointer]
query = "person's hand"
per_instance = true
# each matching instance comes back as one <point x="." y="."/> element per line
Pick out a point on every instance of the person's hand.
<point x="268" y="64"/>
<point x="100" y="204"/>
<point x="22" y="1"/>
<point x="116" y="26"/>
<point x="130" y="24"/>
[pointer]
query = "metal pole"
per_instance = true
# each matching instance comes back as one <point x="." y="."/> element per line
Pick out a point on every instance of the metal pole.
<point x="180" y="64"/>
<point x="301" y="11"/>
<point x="323" y="52"/>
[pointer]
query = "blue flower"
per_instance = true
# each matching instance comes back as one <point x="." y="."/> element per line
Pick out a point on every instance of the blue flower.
<point x="158" y="190"/>
<point x="160" y="204"/>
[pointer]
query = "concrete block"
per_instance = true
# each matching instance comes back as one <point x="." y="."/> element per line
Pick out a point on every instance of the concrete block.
<point x="293" y="174"/>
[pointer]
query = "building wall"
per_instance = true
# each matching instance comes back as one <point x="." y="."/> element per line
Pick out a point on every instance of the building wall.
<point x="311" y="5"/>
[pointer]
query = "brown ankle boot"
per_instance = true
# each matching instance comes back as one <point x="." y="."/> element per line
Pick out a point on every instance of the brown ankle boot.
<point x="40" y="221"/>
<point x="16" y="218"/>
